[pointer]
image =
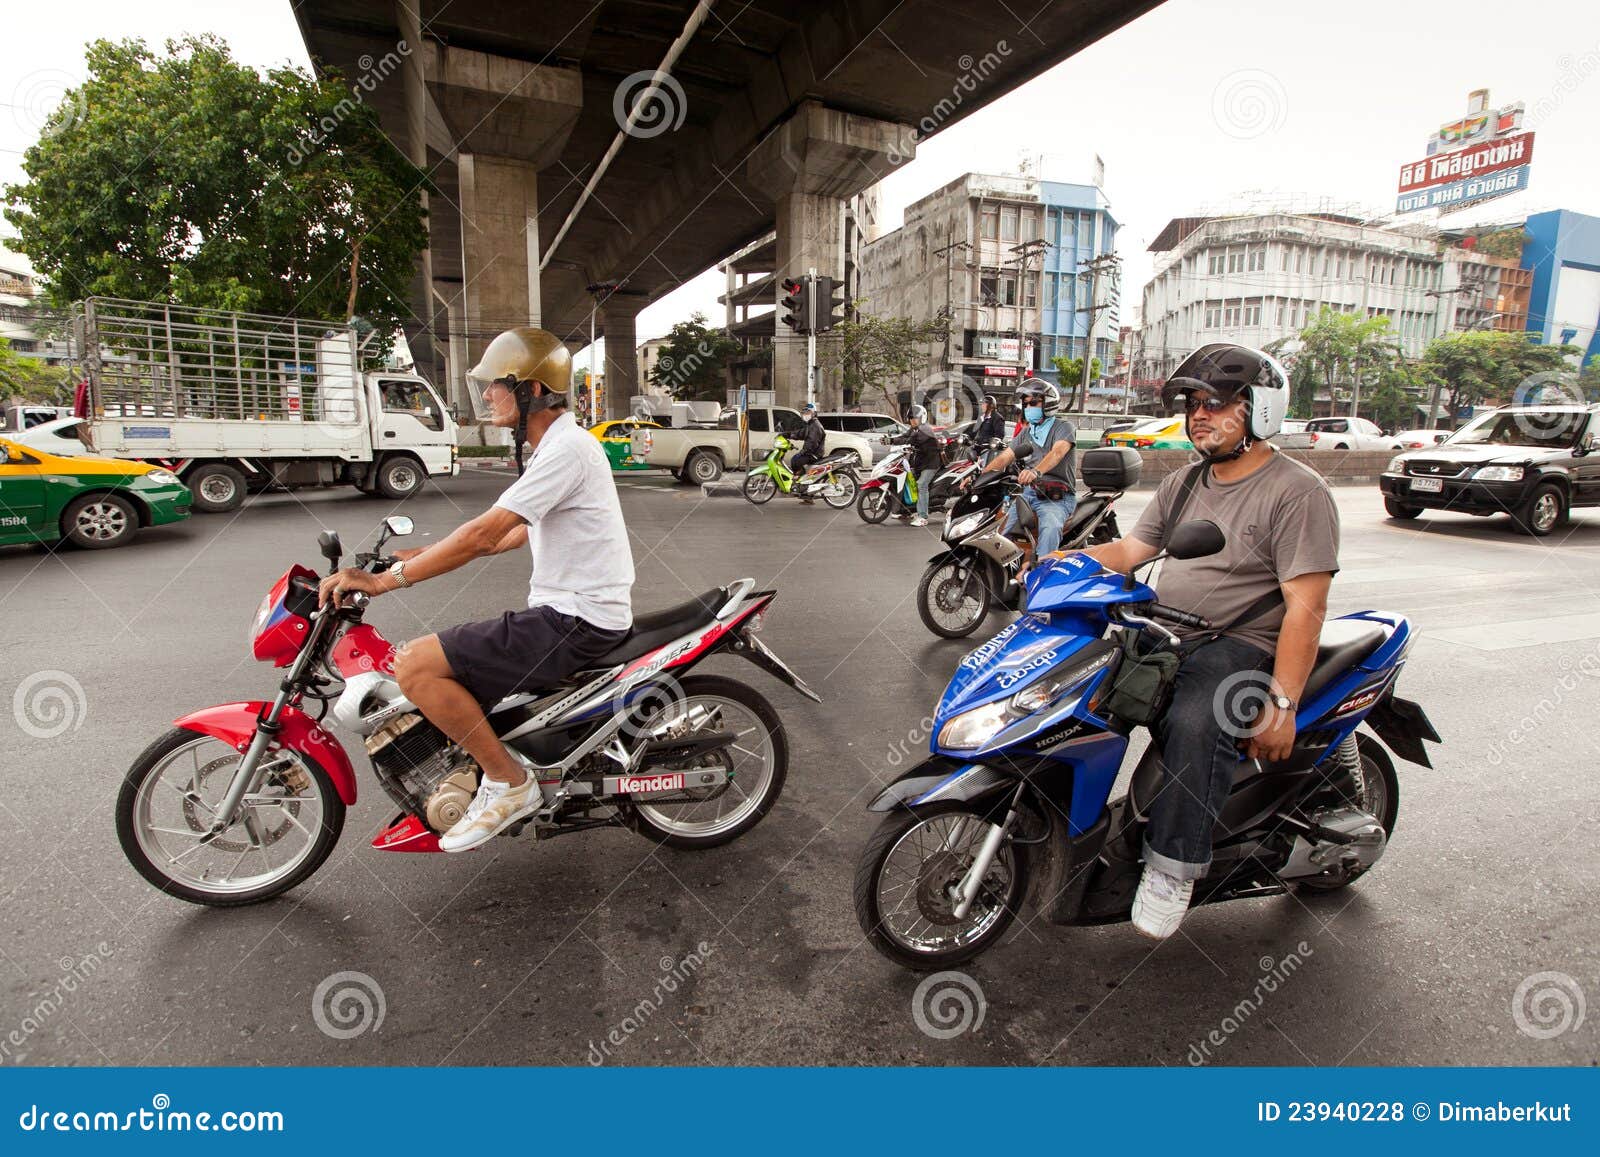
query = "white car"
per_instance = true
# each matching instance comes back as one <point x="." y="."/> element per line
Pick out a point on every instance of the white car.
<point x="877" y="429"/>
<point x="59" y="436"/>
<point x="1420" y="439"/>
<point x="1340" y="434"/>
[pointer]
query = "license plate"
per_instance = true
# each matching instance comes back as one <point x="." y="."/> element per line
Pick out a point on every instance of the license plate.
<point x="1428" y="485"/>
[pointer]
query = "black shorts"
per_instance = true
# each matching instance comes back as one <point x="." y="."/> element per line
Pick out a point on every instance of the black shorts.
<point x="522" y="651"/>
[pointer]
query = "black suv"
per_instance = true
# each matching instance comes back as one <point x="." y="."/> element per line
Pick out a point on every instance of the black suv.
<point x="1534" y="463"/>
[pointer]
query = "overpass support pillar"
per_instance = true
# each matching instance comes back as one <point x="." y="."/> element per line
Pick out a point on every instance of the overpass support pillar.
<point x="620" y="312"/>
<point x="810" y="166"/>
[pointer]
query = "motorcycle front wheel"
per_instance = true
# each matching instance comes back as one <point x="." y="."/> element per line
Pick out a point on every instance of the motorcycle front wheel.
<point x="873" y="505"/>
<point x="953" y="597"/>
<point x="759" y="488"/>
<point x="905" y="876"/>
<point x="840" y="490"/>
<point x="286" y="829"/>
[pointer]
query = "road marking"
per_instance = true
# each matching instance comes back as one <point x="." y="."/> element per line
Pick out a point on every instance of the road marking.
<point x="1522" y="633"/>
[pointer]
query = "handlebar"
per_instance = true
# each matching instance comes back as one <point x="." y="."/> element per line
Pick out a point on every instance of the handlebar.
<point x="1174" y="615"/>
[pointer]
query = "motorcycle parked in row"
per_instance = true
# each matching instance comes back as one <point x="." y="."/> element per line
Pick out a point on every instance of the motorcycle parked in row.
<point x="981" y="566"/>
<point x="1012" y="808"/>
<point x="243" y="801"/>
<point x="831" y="478"/>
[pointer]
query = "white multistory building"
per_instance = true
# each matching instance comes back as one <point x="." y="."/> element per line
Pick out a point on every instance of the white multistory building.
<point x="1260" y="277"/>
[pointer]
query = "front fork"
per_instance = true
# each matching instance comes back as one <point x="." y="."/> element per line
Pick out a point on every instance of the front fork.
<point x="244" y="778"/>
<point x="967" y="890"/>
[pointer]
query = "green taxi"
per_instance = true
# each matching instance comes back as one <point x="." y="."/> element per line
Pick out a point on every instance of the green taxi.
<point x="90" y="502"/>
<point x="616" y="436"/>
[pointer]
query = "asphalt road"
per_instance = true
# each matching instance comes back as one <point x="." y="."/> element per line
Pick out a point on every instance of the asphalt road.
<point x="549" y="953"/>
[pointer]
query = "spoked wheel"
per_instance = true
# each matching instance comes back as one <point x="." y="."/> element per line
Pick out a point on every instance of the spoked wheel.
<point x="290" y="821"/>
<point x="873" y="505"/>
<point x="953" y="597"/>
<point x="1378" y="796"/>
<point x="756" y="763"/>
<point x="759" y="488"/>
<point x="906" y="878"/>
<point x="840" y="490"/>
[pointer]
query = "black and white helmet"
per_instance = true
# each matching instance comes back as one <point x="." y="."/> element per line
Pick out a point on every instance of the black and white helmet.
<point x="1227" y="370"/>
<point x="1047" y="393"/>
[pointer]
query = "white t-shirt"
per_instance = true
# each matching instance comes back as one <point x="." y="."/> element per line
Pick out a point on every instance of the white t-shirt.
<point x="582" y="563"/>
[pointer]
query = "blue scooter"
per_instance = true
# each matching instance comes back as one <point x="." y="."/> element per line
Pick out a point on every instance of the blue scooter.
<point x="1012" y="807"/>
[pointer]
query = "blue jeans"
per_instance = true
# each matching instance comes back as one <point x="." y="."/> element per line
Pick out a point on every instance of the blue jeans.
<point x="1053" y="518"/>
<point x="924" y="490"/>
<point x="1200" y="752"/>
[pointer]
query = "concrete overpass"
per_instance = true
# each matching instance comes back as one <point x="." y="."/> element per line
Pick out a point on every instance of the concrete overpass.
<point x="776" y="111"/>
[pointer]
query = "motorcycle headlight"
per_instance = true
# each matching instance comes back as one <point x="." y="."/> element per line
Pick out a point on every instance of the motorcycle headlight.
<point x="259" y="622"/>
<point x="972" y="729"/>
<point x="1498" y="473"/>
<point x="163" y="478"/>
<point x="1397" y="465"/>
<point x="1041" y="693"/>
<point x="966" y="524"/>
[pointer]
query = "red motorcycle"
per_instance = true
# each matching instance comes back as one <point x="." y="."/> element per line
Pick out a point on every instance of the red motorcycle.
<point x="243" y="801"/>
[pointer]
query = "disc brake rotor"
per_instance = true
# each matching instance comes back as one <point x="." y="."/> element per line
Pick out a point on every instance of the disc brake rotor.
<point x="941" y="872"/>
<point x="949" y="594"/>
<point x="289" y="777"/>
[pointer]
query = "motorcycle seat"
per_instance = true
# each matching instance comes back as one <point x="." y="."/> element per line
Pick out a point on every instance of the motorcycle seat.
<point x="1344" y="643"/>
<point x="659" y="628"/>
<point x="834" y="456"/>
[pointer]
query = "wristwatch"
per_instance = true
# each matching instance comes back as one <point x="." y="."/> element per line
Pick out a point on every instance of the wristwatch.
<point x="399" y="572"/>
<point x="1282" y="702"/>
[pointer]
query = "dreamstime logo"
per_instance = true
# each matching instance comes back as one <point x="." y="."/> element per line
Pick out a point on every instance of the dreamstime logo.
<point x="1242" y="704"/>
<point x="75" y="973"/>
<point x="1553" y="389"/>
<point x="1547" y="1004"/>
<point x="949" y="397"/>
<point x="47" y="102"/>
<point x="1571" y="72"/>
<point x="947" y="1004"/>
<point x="659" y="706"/>
<point x="1249" y="103"/>
<point x="347" y="1004"/>
<point x="373" y="73"/>
<point x="974" y="71"/>
<point x="1274" y="973"/>
<point x="48" y="704"/>
<point x="674" y="974"/>
<point x="649" y="103"/>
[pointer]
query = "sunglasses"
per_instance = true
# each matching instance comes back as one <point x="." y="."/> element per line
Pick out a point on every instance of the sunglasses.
<point x="1209" y="405"/>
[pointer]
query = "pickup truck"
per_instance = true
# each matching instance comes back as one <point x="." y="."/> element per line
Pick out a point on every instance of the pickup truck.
<point x="1339" y="434"/>
<point x="701" y="453"/>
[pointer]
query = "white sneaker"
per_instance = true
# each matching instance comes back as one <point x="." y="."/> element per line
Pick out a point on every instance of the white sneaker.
<point x="919" y="521"/>
<point x="1160" y="903"/>
<point x="496" y="807"/>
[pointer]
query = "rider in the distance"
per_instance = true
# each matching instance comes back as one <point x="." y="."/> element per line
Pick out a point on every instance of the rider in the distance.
<point x="1266" y="592"/>
<point x="1050" y="480"/>
<point x="564" y="508"/>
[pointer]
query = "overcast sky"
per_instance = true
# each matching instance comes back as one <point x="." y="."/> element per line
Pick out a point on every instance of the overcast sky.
<point x="1190" y="106"/>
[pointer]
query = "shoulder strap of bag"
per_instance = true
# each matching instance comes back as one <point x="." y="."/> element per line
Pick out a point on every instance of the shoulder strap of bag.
<point x="1268" y="601"/>
<point x="1185" y="492"/>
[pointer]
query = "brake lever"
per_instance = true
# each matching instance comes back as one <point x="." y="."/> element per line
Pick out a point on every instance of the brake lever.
<point x="1148" y="624"/>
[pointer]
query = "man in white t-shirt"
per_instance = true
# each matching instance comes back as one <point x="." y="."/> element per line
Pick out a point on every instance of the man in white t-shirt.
<point x="564" y="507"/>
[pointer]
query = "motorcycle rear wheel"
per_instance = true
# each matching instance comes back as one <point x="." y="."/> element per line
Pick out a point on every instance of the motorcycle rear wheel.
<point x="901" y="881"/>
<point x="840" y="491"/>
<point x="759" y="488"/>
<point x="1381" y="798"/>
<point x="941" y="583"/>
<point x="873" y="505"/>
<point x="163" y="771"/>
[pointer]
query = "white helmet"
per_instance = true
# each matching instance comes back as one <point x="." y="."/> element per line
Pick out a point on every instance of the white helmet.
<point x="917" y="414"/>
<point x="1043" y="389"/>
<point x="1226" y="369"/>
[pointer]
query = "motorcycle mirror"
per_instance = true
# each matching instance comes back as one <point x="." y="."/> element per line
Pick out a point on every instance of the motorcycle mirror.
<point x="328" y="542"/>
<point x="399" y="524"/>
<point x="1196" y="539"/>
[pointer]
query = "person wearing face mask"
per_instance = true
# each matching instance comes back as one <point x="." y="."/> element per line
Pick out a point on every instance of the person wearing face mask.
<point x="1050" y="479"/>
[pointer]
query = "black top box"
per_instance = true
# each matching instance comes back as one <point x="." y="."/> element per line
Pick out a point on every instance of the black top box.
<point x="1110" y="468"/>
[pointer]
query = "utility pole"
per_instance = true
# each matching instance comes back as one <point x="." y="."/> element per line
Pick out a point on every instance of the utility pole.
<point x="1025" y="252"/>
<point x="811" y="335"/>
<point x="948" y="252"/>
<point x="1105" y="263"/>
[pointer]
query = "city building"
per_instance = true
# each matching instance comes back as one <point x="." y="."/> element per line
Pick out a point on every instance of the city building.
<point x="1013" y="306"/>
<point x="1562" y="255"/>
<point x="18" y="288"/>
<point x="649" y="353"/>
<point x="1258" y="278"/>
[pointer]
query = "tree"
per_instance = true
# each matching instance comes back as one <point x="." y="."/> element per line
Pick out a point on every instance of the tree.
<point x="1488" y="366"/>
<point x="1502" y="243"/>
<point x="1347" y="351"/>
<point x="31" y="380"/>
<point x="194" y="179"/>
<point x="694" y="360"/>
<point x="876" y="355"/>
<point x="1071" y="371"/>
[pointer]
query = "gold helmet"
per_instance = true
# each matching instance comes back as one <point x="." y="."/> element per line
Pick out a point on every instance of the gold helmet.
<point x="525" y="354"/>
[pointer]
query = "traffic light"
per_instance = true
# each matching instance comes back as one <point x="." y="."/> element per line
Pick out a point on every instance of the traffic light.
<point x="797" y="300"/>
<point x="828" y="304"/>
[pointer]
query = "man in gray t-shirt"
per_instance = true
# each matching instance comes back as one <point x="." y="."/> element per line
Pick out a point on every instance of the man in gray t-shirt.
<point x="1266" y="593"/>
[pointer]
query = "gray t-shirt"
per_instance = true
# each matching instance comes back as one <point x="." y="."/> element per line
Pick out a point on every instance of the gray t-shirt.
<point x="1280" y="523"/>
<point x="1027" y="452"/>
